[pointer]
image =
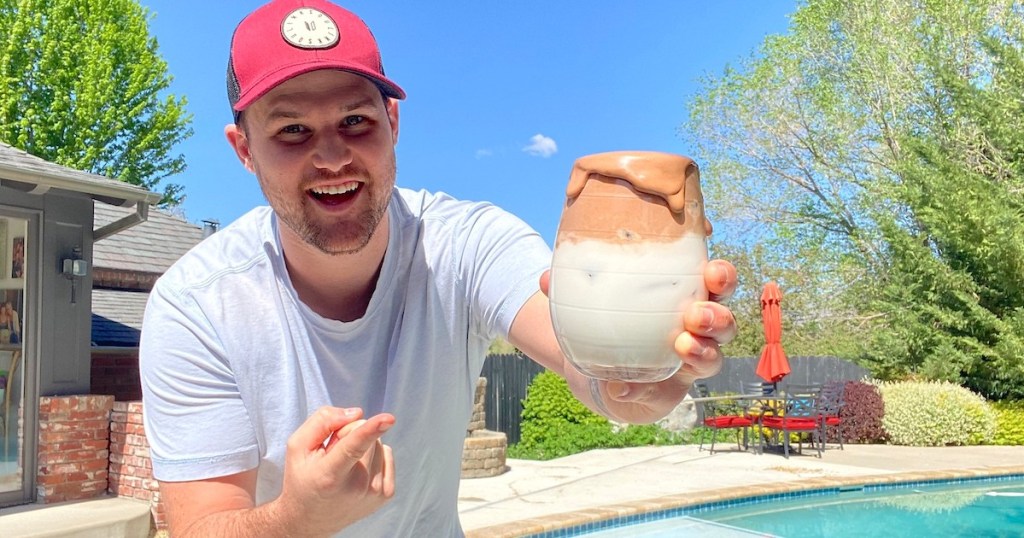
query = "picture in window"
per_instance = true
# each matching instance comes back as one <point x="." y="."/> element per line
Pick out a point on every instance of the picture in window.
<point x="18" y="258"/>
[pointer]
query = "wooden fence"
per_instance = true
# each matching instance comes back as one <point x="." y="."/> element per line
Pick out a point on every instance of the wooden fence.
<point x="805" y="370"/>
<point x="508" y="377"/>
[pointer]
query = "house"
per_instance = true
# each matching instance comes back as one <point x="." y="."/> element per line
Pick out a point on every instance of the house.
<point x="54" y="430"/>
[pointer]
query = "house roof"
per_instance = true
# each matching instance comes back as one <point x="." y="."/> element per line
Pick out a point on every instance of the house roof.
<point x="117" y="317"/>
<point x="21" y="171"/>
<point x="151" y="246"/>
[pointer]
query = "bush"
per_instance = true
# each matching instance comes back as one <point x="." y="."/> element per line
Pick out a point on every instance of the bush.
<point x="1009" y="423"/>
<point x="556" y="424"/>
<point x="929" y="413"/>
<point x="862" y="414"/>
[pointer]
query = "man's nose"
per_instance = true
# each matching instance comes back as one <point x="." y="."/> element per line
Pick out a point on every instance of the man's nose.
<point x="331" y="152"/>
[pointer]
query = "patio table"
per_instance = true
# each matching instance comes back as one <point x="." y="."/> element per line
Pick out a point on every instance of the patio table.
<point x="747" y="402"/>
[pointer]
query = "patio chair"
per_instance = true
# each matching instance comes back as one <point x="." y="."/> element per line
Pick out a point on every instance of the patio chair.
<point x="759" y="387"/>
<point x="721" y="415"/>
<point x="831" y="407"/>
<point x="801" y="415"/>
<point x="803" y="388"/>
<point x="757" y="407"/>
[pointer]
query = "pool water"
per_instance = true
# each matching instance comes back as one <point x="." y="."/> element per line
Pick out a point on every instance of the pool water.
<point x="975" y="508"/>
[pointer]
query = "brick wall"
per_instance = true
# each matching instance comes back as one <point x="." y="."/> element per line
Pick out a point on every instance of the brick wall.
<point x="116" y="374"/>
<point x="74" y="439"/>
<point x="131" y="472"/>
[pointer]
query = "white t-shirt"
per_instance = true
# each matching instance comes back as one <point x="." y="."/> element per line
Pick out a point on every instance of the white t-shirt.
<point x="232" y="362"/>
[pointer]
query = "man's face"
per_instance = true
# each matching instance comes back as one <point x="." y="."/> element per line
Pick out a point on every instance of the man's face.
<point x="323" y="148"/>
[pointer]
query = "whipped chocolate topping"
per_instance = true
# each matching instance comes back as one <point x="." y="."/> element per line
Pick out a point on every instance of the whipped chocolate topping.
<point x="673" y="178"/>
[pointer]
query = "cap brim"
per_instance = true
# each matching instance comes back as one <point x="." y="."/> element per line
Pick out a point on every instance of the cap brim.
<point x="271" y="81"/>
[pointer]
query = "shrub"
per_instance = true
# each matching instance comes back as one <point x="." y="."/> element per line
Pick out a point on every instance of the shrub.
<point x="556" y="424"/>
<point x="563" y="440"/>
<point x="862" y="414"/>
<point x="929" y="413"/>
<point x="1009" y="423"/>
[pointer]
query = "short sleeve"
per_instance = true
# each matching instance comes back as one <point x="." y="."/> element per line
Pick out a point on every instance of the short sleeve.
<point x="500" y="266"/>
<point x="189" y="390"/>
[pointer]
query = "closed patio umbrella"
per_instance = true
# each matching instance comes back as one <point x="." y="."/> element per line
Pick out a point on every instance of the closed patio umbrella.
<point x="773" y="365"/>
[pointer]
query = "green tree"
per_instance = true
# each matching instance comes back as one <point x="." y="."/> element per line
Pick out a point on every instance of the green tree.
<point x="81" y="84"/>
<point x="816" y="146"/>
<point x="958" y="252"/>
<point x="811" y="323"/>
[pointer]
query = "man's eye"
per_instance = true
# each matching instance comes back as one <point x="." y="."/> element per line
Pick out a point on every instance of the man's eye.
<point x="292" y="129"/>
<point x="351" y="121"/>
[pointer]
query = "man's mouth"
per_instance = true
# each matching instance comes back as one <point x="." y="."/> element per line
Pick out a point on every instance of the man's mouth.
<point x="335" y="194"/>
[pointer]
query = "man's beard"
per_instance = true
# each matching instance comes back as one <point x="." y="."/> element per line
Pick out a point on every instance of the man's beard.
<point x="338" y="237"/>
<point x="342" y="237"/>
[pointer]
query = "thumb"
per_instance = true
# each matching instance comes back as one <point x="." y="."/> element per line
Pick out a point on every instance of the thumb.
<point x="545" y="281"/>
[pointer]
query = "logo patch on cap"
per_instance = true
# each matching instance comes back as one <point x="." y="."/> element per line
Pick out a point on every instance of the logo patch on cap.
<point x="309" y="28"/>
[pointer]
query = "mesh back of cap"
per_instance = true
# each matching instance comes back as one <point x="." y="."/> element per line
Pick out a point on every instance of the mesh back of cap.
<point x="233" y="89"/>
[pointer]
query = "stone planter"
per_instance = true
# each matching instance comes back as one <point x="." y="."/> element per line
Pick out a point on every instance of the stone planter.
<point x="483" y="452"/>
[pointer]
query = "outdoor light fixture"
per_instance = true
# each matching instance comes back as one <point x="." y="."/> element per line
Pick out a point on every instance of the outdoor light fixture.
<point x="74" y="268"/>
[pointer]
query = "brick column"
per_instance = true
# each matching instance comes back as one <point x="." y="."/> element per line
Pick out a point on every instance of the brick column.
<point x="131" y="471"/>
<point x="74" y="438"/>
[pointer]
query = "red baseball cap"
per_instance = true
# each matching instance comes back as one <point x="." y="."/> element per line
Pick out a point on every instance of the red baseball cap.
<point x="286" y="38"/>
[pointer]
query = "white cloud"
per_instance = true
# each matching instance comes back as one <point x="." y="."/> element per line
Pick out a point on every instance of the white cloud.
<point x="484" y="153"/>
<point x="541" y="146"/>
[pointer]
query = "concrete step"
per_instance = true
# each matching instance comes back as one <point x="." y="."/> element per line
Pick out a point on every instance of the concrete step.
<point x="106" y="517"/>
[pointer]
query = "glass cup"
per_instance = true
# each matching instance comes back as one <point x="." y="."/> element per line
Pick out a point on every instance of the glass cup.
<point x="629" y="259"/>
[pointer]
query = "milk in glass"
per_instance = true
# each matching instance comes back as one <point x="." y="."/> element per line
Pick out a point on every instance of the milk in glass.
<point x="629" y="259"/>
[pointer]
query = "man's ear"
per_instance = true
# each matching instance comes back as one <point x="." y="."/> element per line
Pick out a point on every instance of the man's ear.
<point x="240" y="143"/>
<point x="392" y="106"/>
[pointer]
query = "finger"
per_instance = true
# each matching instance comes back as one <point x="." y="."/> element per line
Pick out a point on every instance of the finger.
<point x="622" y="391"/>
<point x="720" y="279"/>
<point x="702" y="357"/>
<point x="388" y="474"/>
<point x="337" y="436"/>
<point x="321" y="425"/>
<point x="710" y="320"/>
<point x="353" y="443"/>
<point x="545" y="281"/>
<point x="373" y="460"/>
<point x="375" y="466"/>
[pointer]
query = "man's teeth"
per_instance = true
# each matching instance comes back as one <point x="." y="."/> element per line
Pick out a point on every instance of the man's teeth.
<point x="336" y="189"/>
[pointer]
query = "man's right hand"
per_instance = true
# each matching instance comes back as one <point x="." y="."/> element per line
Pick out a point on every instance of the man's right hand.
<point x="337" y="471"/>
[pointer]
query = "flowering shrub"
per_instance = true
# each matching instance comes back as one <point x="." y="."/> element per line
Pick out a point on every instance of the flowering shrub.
<point x="1009" y="423"/>
<point x="862" y="414"/>
<point x="928" y="413"/>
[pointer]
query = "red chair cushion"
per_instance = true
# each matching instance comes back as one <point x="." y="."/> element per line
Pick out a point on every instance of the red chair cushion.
<point x="832" y="421"/>
<point x="790" y="423"/>
<point x="728" y="421"/>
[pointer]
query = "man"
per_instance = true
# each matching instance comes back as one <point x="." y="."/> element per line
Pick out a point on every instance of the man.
<point x="280" y="354"/>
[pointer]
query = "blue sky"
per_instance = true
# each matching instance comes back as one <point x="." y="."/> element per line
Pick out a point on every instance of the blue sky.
<point x="503" y="96"/>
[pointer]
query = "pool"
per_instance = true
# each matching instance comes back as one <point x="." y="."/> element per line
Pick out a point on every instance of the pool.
<point x="977" y="507"/>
